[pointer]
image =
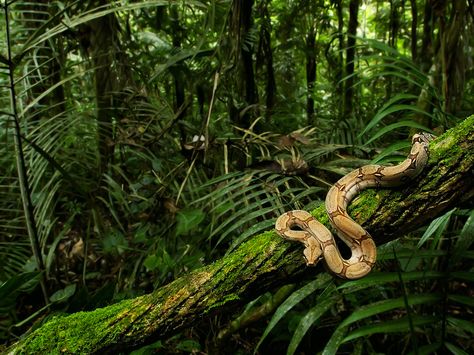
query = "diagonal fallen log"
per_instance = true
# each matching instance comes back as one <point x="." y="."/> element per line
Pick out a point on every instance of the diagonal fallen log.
<point x="262" y="263"/>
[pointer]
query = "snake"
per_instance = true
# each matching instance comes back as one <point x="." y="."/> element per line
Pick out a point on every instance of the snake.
<point x="319" y="242"/>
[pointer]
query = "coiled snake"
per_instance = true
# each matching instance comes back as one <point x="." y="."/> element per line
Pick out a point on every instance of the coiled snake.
<point x="319" y="242"/>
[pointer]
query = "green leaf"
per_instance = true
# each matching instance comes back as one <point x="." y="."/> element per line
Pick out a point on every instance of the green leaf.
<point x="188" y="219"/>
<point x="387" y="305"/>
<point x="148" y="349"/>
<point x="379" y="278"/>
<point x="296" y="297"/>
<point x="437" y="226"/>
<point x="69" y="23"/>
<point x="401" y="325"/>
<point x="248" y="218"/>
<point x="388" y="254"/>
<point x="391" y="149"/>
<point x="10" y="289"/>
<point x="396" y="125"/>
<point x="114" y="243"/>
<point x="228" y="186"/>
<point x="458" y="323"/>
<point x="465" y="239"/>
<point x="384" y="110"/>
<point x="311" y="317"/>
<point x="466" y="300"/>
<point x="222" y="178"/>
<point x="188" y="345"/>
<point x="152" y="262"/>
<point x="178" y="58"/>
<point x="223" y="208"/>
<point x="336" y="339"/>
<point x="64" y="294"/>
<point x="454" y="349"/>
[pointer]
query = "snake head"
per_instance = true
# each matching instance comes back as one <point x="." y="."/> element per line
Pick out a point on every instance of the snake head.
<point x="313" y="252"/>
<point x="423" y="137"/>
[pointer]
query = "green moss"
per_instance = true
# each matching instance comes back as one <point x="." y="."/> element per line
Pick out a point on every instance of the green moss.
<point x="262" y="253"/>
<point x="360" y="209"/>
<point x="77" y="333"/>
<point x="450" y="149"/>
<point x="365" y="205"/>
<point x="227" y="298"/>
<point x="321" y="215"/>
<point x="261" y="245"/>
<point x="448" y="144"/>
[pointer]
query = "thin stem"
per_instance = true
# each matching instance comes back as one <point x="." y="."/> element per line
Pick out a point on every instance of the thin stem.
<point x="21" y="167"/>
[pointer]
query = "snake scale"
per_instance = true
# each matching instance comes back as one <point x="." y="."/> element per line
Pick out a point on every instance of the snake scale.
<point x="318" y="240"/>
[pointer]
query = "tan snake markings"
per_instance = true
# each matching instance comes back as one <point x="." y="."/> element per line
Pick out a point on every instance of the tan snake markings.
<point x="319" y="242"/>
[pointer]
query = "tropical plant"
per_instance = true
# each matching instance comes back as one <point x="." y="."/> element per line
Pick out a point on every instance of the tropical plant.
<point x="418" y="302"/>
<point x="141" y="140"/>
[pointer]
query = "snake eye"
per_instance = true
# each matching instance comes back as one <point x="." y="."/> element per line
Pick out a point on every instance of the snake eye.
<point x="423" y="137"/>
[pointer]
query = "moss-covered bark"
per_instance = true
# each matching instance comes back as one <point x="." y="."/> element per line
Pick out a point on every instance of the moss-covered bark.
<point x="260" y="264"/>
<point x="447" y="181"/>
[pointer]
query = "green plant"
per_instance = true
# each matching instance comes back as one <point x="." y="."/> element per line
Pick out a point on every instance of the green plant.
<point x="417" y="303"/>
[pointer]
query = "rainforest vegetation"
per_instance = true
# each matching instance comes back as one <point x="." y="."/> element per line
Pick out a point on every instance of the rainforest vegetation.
<point x="145" y="145"/>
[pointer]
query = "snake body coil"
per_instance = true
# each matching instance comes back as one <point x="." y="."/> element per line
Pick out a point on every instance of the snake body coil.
<point x="319" y="242"/>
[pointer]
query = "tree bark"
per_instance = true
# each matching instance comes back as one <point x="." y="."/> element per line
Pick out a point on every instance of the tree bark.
<point x="265" y="57"/>
<point x="426" y="53"/>
<point x="262" y="263"/>
<point x="310" y="72"/>
<point x="350" y="57"/>
<point x="446" y="57"/>
<point x="177" y="71"/>
<point x="240" y="24"/>
<point x="111" y="75"/>
<point x="452" y="57"/>
<point x="335" y="60"/>
<point x="414" y="27"/>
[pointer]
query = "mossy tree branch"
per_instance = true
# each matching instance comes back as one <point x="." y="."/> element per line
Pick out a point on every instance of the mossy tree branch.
<point x="262" y="263"/>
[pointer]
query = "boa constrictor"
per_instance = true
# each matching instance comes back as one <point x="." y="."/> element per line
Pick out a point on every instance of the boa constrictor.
<point x="319" y="242"/>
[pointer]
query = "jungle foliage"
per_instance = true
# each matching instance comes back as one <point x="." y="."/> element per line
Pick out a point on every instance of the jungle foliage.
<point x="141" y="140"/>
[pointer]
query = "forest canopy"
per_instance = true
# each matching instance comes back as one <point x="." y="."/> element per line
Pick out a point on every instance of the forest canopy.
<point x="144" y="140"/>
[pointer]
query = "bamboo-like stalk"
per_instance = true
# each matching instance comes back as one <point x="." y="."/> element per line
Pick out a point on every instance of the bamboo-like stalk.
<point x="21" y="165"/>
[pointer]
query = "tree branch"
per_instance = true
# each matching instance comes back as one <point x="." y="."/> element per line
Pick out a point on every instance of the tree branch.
<point x="262" y="263"/>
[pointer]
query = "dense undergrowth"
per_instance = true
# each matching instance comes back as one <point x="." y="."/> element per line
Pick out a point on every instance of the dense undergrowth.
<point x="147" y="147"/>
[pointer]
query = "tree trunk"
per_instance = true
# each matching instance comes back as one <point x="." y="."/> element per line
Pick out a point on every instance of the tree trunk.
<point x="453" y="57"/>
<point x="414" y="27"/>
<point x="446" y="57"/>
<point x="265" y="57"/>
<point x="426" y="54"/>
<point x="396" y="9"/>
<point x="260" y="264"/>
<point x="350" y="56"/>
<point x="177" y="70"/>
<point x="394" y="24"/>
<point x="310" y="73"/>
<point x="111" y="74"/>
<point x="335" y="61"/>
<point x="240" y="22"/>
